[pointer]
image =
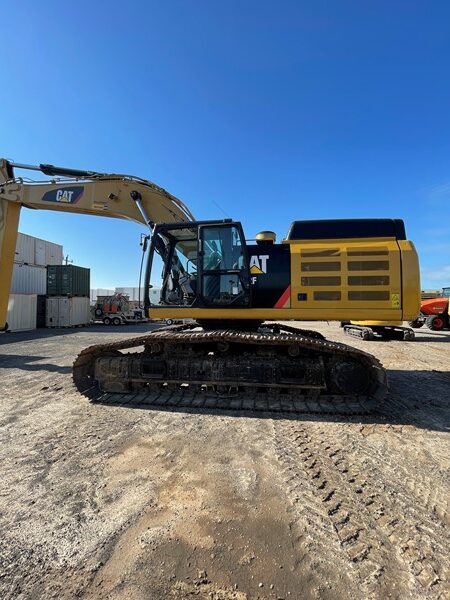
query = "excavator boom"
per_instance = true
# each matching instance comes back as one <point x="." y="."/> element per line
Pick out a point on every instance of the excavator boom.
<point x="84" y="192"/>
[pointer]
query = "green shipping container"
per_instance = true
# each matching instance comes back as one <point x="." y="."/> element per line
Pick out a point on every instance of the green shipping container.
<point x="68" y="280"/>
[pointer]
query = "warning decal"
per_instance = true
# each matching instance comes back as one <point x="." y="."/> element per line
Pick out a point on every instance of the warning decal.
<point x="395" y="300"/>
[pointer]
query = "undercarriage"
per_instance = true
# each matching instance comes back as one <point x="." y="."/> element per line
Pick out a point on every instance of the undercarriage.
<point x="380" y="332"/>
<point x="273" y="368"/>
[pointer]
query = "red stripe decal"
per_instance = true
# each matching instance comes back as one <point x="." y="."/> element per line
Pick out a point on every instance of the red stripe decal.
<point x="284" y="298"/>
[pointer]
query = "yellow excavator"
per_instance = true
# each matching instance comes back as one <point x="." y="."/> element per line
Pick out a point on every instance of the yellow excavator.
<point x="235" y="352"/>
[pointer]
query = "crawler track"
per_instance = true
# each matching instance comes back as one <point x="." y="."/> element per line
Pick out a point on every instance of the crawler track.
<point x="277" y="368"/>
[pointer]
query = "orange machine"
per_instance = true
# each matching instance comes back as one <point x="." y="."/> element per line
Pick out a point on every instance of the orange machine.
<point x="434" y="312"/>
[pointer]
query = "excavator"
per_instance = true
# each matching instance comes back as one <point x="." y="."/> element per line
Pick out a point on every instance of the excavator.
<point x="237" y="350"/>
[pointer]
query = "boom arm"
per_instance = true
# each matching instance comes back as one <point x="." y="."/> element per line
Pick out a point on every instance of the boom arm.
<point x="84" y="192"/>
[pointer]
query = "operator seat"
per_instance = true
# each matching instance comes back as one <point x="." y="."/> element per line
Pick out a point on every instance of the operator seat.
<point x="211" y="283"/>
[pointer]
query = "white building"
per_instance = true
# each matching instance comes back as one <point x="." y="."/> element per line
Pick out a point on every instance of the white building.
<point x="131" y="292"/>
<point x="99" y="292"/>
<point x="135" y="294"/>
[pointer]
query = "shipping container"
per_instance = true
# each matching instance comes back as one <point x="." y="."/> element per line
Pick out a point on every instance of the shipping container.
<point x="21" y="314"/>
<point x="52" y="312"/>
<point x="67" y="311"/>
<point x="24" y="249"/>
<point x="68" y="280"/>
<point x="53" y="254"/>
<point x="39" y="252"/>
<point x="29" y="279"/>
<point x="34" y="251"/>
<point x="40" y="311"/>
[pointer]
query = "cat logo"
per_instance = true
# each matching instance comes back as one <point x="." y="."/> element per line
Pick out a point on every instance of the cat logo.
<point x="258" y="264"/>
<point x="64" y="196"/>
<point x="67" y="195"/>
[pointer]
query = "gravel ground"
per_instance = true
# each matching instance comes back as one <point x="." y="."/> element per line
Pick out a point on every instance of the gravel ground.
<point x="132" y="502"/>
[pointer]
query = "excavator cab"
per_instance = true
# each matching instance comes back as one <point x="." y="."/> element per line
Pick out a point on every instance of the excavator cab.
<point x="204" y="264"/>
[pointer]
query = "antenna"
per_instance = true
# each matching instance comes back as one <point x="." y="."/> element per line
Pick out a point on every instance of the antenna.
<point x="221" y="209"/>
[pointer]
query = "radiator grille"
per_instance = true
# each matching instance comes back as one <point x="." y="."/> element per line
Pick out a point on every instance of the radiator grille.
<point x="353" y="275"/>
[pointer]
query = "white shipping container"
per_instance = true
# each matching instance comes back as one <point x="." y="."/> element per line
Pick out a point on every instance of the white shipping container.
<point x="53" y="254"/>
<point x="25" y="249"/>
<point x="29" y="279"/>
<point x="34" y="251"/>
<point x="22" y="310"/>
<point x="47" y="253"/>
<point x="52" y="312"/>
<point x="39" y="252"/>
<point x="67" y="312"/>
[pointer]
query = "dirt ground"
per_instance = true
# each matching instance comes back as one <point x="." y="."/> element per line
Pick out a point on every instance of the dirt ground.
<point x="132" y="502"/>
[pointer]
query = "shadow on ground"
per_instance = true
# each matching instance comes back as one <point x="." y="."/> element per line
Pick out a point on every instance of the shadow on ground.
<point x="435" y="337"/>
<point x="36" y="334"/>
<point x="30" y="363"/>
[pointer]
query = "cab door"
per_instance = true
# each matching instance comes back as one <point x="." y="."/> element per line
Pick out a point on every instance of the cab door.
<point x="224" y="272"/>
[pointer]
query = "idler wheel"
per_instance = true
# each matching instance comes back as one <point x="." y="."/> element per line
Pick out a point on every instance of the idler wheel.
<point x="349" y="378"/>
<point x="83" y="370"/>
<point x="223" y="347"/>
<point x="155" y="348"/>
<point x="294" y="350"/>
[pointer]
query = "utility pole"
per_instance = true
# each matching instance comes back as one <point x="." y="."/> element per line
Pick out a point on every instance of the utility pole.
<point x="67" y="261"/>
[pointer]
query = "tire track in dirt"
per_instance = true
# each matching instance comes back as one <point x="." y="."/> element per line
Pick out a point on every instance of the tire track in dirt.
<point x="420" y="399"/>
<point x="430" y="491"/>
<point x="419" y="536"/>
<point x="331" y="510"/>
<point x="392" y="542"/>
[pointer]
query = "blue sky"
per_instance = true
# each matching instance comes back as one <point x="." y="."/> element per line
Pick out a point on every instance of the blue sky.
<point x="266" y="112"/>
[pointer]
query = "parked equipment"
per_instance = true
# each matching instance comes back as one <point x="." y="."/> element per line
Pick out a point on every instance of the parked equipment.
<point x="116" y="310"/>
<point x="381" y="330"/>
<point x="338" y="270"/>
<point x="434" y="312"/>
